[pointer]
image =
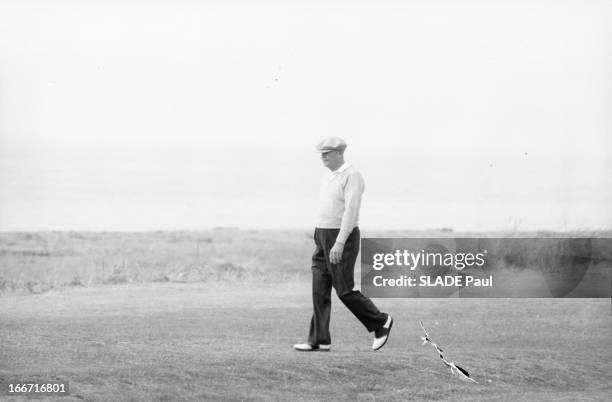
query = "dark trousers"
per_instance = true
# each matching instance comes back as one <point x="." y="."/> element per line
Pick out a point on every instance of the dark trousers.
<point x="340" y="276"/>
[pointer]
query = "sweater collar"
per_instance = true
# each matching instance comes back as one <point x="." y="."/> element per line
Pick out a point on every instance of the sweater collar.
<point x="339" y="170"/>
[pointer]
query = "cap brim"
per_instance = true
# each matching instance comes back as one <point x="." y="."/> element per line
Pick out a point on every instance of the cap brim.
<point x="329" y="150"/>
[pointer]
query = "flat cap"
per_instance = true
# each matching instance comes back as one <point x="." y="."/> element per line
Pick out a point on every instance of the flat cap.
<point x="331" y="144"/>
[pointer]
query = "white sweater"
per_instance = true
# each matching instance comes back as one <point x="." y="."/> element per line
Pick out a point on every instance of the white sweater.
<point x="340" y="200"/>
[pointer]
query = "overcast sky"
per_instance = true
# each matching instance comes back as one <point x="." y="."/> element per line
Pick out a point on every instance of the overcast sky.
<point x="146" y="115"/>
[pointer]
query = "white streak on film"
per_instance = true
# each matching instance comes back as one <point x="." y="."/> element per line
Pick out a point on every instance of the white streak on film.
<point x="453" y="367"/>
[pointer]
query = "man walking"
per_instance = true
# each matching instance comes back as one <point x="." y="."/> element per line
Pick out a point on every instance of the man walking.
<point x="337" y="241"/>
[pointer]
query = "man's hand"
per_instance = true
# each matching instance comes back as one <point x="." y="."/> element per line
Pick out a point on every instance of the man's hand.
<point x="335" y="254"/>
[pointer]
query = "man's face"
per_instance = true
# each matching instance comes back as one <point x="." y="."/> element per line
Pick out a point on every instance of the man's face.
<point x="331" y="159"/>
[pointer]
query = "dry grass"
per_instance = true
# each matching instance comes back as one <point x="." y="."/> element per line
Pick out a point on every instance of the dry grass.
<point x="39" y="261"/>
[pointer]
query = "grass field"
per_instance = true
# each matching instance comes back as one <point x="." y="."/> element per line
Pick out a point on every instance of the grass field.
<point x="223" y="341"/>
<point x="227" y="334"/>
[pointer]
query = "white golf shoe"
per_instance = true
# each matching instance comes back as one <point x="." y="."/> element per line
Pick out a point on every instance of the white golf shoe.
<point x="306" y="347"/>
<point x="382" y="335"/>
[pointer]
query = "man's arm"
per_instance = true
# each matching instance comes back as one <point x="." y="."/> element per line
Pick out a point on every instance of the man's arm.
<point x="352" y="202"/>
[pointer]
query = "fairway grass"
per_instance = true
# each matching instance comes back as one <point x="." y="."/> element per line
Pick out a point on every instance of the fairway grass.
<point x="224" y="341"/>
